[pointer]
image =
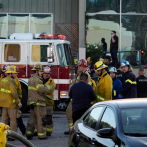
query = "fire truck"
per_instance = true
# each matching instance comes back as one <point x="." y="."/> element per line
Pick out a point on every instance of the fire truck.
<point x="25" y="50"/>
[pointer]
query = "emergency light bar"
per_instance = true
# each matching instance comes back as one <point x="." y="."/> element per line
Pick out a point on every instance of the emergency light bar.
<point x="46" y="36"/>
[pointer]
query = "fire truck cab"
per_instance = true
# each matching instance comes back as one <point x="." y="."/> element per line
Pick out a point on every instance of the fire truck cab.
<point x="25" y="50"/>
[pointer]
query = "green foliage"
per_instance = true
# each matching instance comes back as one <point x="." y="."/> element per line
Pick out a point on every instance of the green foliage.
<point x="95" y="51"/>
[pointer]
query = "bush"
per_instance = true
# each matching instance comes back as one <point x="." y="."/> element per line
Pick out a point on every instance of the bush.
<point x="95" y="51"/>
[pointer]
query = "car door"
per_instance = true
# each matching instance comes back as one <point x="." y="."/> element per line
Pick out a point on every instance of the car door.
<point x="87" y="127"/>
<point x="108" y="120"/>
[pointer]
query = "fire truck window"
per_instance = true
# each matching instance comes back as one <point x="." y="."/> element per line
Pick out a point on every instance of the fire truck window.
<point x="39" y="53"/>
<point x="12" y="53"/>
<point x="62" y="59"/>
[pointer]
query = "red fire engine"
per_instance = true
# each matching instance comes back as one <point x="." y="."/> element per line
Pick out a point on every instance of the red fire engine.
<point x="25" y="50"/>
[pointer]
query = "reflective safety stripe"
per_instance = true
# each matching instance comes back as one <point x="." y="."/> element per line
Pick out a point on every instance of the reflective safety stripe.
<point x="90" y="83"/>
<point x="35" y="130"/>
<point x="31" y="88"/>
<point x="13" y="101"/>
<point x="39" y="85"/>
<point x="5" y="90"/>
<point x="50" y="97"/>
<point x="29" y="132"/>
<point x="70" y="124"/>
<point x="49" y="129"/>
<point x="40" y="104"/>
<point x="41" y="134"/>
<point x="4" y="80"/>
<point x="49" y="87"/>
<point x="71" y="99"/>
<point x="100" y="98"/>
<point x="131" y="82"/>
<point x="31" y="102"/>
<point x="114" y="92"/>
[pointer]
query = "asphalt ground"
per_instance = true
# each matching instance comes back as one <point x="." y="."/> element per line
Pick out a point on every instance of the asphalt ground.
<point x="58" y="139"/>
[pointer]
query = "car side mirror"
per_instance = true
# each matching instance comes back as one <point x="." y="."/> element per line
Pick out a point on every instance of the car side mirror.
<point x="105" y="133"/>
<point x="50" y="58"/>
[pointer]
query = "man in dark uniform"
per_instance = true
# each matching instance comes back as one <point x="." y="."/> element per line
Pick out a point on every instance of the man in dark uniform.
<point x="141" y="84"/>
<point x="114" y="47"/>
<point x="129" y="87"/>
<point x="119" y="74"/>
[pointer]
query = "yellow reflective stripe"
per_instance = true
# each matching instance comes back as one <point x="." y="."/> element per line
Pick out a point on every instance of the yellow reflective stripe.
<point x="71" y="99"/>
<point x="31" y="88"/>
<point x="4" y="80"/>
<point x="29" y="132"/>
<point x="70" y="124"/>
<point x="100" y="98"/>
<point x="31" y="102"/>
<point x="41" y="134"/>
<point x="49" y="129"/>
<point x="131" y="82"/>
<point x="5" y="90"/>
<point x="35" y="130"/>
<point x="114" y="92"/>
<point x="49" y="87"/>
<point x="39" y="85"/>
<point x="90" y="83"/>
<point x="40" y="104"/>
<point x="50" y="97"/>
<point x="13" y="101"/>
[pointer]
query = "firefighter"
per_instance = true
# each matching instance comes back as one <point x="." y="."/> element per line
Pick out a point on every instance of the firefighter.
<point x="141" y="84"/>
<point x="117" y="85"/>
<point x="128" y="82"/>
<point x="76" y="65"/>
<point x="90" y="67"/>
<point x="119" y="71"/>
<point x="3" y="75"/>
<point x="82" y="64"/>
<point x="49" y="100"/>
<point x="104" y="83"/>
<point x="36" y="100"/>
<point x="12" y="103"/>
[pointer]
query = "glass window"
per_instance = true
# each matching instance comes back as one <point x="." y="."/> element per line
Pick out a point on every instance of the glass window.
<point x="100" y="26"/>
<point x="91" y="119"/>
<point x="108" y="120"/>
<point x="134" y="6"/>
<point x="131" y="56"/>
<point x="134" y="120"/>
<point x="61" y="54"/>
<point x="18" y="23"/>
<point x="3" y="26"/>
<point x="104" y="6"/>
<point x="39" y="53"/>
<point x="41" y="23"/>
<point x="134" y="32"/>
<point x="12" y="53"/>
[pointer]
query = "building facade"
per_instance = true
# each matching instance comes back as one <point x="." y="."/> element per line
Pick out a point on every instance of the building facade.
<point x="38" y="16"/>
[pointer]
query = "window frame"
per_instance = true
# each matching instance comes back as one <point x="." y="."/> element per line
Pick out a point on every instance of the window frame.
<point x="101" y="114"/>
<point x="19" y="54"/>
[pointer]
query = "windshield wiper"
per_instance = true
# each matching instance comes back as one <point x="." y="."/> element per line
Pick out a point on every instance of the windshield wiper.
<point x="135" y="134"/>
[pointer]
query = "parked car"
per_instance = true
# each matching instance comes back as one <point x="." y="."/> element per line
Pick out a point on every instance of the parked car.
<point x="117" y="123"/>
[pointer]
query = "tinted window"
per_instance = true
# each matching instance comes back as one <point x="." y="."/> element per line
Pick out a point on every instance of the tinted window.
<point x="134" y="120"/>
<point x="12" y="53"/>
<point x="108" y="119"/>
<point x="39" y="53"/>
<point x="91" y="119"/>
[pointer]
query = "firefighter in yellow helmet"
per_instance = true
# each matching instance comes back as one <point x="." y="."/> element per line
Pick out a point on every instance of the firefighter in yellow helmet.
<point x="90" y="67"/>
<point x="49" y="100"/>
<point x="9" y="99"/>
<point x="82" y="64"/>
<point x="104" y="84"/>
<point x="76" y="65"/>
<point x="36" y="100"/>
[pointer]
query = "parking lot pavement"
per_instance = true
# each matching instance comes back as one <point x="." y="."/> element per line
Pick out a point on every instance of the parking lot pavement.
<point x="57" y="139"/>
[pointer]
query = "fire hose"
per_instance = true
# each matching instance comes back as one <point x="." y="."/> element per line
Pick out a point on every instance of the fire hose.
<point x="5" y="132"/>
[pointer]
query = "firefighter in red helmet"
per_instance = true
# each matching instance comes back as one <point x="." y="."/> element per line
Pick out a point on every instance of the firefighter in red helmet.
<point x="82" y="65"/>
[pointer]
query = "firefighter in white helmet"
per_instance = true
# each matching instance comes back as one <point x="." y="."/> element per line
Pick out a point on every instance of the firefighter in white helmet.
<point x="82" y="64"/>
<point x="49" y="100"/>
<point x="36" y="100"/>
<point x="12" y="103"/>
